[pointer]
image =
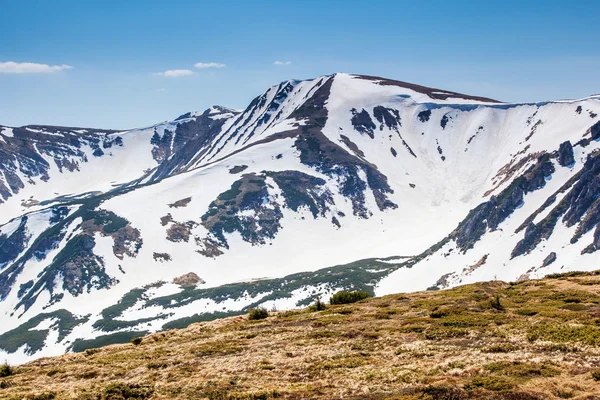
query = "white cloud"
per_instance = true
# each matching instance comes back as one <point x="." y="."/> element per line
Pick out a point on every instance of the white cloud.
<point x="202" y="65"/>
<point x="11" y="67"/>
<point x="282" y="63"/>
<point x="174" y="73"/>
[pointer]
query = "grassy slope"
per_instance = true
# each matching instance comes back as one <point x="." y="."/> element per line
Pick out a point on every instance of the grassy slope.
<point x="542" y="341"/>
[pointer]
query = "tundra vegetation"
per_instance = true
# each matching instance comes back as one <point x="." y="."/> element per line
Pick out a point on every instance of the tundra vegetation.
<point x="533" y="339"/>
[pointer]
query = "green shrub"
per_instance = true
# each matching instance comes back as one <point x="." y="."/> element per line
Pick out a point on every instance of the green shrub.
<point x="496" y="304"/>
<point x="348" y="297"/>
<point x="318" y="305"/>
<point x="526" y="312"/>
<point x="257" y="313"/>
<point x="136" y="341"/>
<point x="596" y="375"/>
<point x="494" y="383"/>
<point x="123" y="391"/>
<point x="6" y="370"/>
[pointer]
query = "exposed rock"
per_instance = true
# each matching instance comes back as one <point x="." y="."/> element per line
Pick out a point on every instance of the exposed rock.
<point x="164" y="221"/>
<point x="580" y="206"/>
<point x="162" y="257"/>
<point x="490" y="214"/>
<point x="423" y="116"/>
<point x="362" y="122"/>
<point x="181" y="203"/>
<point x="595" y="131"/>
<point x="248" y="208"/>
<point x="387" y="117"/>
<point x="237" y="169"/>
<point x="180" y="231"/>
<point x="188" y="280"/>
<point x="444" y="121"/>
<point x="565" y="154"/>
<point x="549" y="259"/>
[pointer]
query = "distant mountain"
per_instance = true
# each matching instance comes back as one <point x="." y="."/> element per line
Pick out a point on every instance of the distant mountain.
<point x="106" y="235"/>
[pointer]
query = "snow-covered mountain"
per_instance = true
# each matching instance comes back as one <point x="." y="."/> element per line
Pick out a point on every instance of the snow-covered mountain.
<point x="106" y="235"/>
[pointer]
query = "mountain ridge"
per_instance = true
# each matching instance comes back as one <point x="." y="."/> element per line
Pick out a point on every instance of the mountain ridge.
<point x="310" y="177"/>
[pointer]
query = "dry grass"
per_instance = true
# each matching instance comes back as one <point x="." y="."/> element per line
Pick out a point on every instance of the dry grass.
<point x="453" y="344"/>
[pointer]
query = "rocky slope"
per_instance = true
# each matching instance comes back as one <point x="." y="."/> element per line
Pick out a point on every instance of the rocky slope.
<point x="274" y="204"/>
<point x="532" y="340"/>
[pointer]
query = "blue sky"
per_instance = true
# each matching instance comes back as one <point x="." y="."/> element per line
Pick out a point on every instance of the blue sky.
<point x="518" y="51"/>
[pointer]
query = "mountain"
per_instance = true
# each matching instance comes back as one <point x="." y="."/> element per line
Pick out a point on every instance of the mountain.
<point x="528" y="340"/>
<point x="340" y="182"/>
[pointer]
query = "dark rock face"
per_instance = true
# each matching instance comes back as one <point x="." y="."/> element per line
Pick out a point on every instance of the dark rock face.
<point x="187" y="144"/>
<point x="423" y="116"/>
<point x="580" y="206"/>
<point x="444" y="121"/>
<point x="237" y="169"/>
<point x="387" y="117"/>
<point x="595" y="131"/>
<point x="549" y="259"/>
<point x="363" y="123"/>
<point x="13" y="245"/>
<point x="565" y="154"/>
<point x="25" y="150"/>
<point x="317" y="151"/>
<point x="493" y="212"/>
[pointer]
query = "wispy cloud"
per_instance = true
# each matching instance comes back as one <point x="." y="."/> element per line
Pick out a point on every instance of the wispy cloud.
<point x="202" y="65"/>
<point x="11" y="67"/>
<point x="174" y="73"/>
<point x="282" y="63"/>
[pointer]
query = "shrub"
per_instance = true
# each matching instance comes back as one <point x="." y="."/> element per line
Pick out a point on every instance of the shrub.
<point x="257" y="313"/>
<point x="348" y="297"/>
<point x="526" y="312"/>
<point x="6" y="370"/>
<point x="317" y="306"/>
<point x="494" y="383"/>
<point x="596" y="375"/>
<point x="120" y="391"/>
<point x="136" y="341"/>
<point x="496" y="304"/>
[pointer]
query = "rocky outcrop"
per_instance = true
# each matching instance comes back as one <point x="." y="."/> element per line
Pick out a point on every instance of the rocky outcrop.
<point x="490" y="214"/>
<point x="580" y="206"/>
<point x="362" y="122"/>
<point x="565" y="154"/>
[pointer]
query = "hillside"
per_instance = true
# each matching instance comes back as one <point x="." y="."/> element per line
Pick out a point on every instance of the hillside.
<point x="334" y="183"/>
<point x="534" y="339"/>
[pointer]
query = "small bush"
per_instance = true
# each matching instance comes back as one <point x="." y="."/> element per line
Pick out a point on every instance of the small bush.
<point x="348" y="297"/>
<point x="526" y="312"/>
<point x="318" y="305"/>
<point x="257" y="313"/>
<point x="6" y="370"/>
<point x="136" y="341"/>
<point x="496" y="304"/>
<point x="157" y="365"/>
<point x="89" y="352"/>
<point x="120" y="391"/>
<point x="596" y="375"/>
